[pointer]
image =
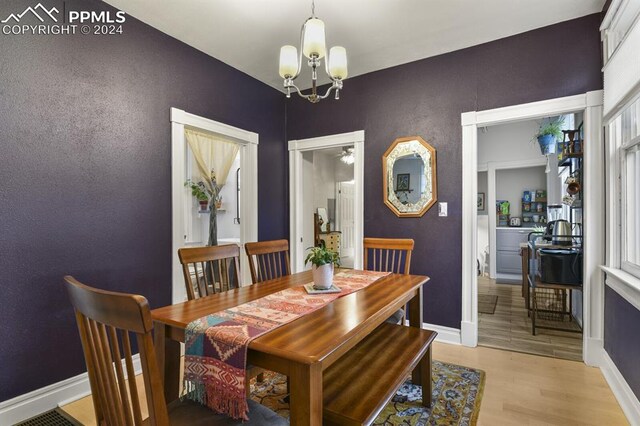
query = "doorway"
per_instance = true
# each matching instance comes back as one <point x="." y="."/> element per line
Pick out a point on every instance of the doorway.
<point x="522" y="187"/>
<point x="323" y="186"/>
<point x="238" y="208"/>
<point x="590" y="104"/>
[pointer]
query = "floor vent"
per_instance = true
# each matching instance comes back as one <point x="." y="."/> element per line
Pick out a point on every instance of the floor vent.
<point x="55" y="417"/>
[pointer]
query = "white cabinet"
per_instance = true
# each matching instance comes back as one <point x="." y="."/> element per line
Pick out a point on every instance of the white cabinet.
<point x="508" y="261"/>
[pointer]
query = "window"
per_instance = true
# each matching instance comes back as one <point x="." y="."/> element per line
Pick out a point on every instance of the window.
<point x="625" y="134"/>
<point x="618" y="22"/>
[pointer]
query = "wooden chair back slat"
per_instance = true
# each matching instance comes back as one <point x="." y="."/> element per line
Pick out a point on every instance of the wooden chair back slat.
<point x="133" y="386"/>
<point x="268" y="260"/>
<point x="122" y="387"/>
<point x="210" y="270"/>
<point x="388" y="255"/>
<point x="105" y="320"/>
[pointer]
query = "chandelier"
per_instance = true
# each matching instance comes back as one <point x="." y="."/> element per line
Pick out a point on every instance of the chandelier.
<point x="312" y="45"/>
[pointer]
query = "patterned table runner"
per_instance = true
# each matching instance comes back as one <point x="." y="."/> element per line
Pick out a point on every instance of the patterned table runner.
<point x="216" y="345"/>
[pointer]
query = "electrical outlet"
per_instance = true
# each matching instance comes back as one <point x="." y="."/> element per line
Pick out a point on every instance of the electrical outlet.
<point x="442" y="209"/>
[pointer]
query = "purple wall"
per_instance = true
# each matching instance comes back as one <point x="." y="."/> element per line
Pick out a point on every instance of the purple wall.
<point x="621" y="337"/>
<point x="426" y="98"/>
<point x="85" y="175"/>
<point x="85" y="160"/>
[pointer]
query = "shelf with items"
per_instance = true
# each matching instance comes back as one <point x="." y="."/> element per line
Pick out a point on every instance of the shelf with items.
<point x="571" y="147"/>
<point x="570" y="156"/>
<point x="502" y="212"/>
<point x="534" y="207"/>
<point x="564" y="161"/>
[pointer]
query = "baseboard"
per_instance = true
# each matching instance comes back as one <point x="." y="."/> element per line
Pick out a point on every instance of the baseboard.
<point x="593" y="350"/>
<point x="445" y="334"/>
<point x="469" y="334"/>
<point x="40" y="400"/>
<point x="623" y="393"/>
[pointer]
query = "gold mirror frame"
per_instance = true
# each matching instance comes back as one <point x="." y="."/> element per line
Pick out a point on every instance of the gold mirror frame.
<point x="400" y="148"/>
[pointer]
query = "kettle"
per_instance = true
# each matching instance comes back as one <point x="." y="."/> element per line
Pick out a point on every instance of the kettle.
<point x="560" y="231"/>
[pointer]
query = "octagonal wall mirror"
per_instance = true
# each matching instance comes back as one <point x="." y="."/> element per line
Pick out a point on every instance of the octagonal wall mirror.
<point x="409" y="177"/>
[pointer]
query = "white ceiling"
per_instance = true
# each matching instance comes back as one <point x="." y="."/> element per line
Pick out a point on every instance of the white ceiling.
<point x="247" y="34"/>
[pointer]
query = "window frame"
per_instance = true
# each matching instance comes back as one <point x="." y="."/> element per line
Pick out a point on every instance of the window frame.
<point x="624" y="149"/>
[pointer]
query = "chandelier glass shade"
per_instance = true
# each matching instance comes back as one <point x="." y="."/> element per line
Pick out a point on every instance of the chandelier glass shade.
<point x="313" y="47"/>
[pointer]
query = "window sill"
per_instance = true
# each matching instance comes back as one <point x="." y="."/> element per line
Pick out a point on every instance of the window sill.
<point x="623" y="283"/>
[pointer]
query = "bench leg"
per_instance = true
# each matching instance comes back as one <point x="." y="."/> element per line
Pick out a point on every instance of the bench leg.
<point x="425" y="375"/>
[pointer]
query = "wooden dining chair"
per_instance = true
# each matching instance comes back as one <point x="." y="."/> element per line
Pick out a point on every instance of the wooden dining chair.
<point x="268" y="260"/>
<point x="106" y="321"/>
<point x="210" y="270"/>
<point x="389" y="255"/>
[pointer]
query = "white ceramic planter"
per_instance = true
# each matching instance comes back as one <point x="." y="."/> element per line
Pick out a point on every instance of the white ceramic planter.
<point x="323" y="276"/>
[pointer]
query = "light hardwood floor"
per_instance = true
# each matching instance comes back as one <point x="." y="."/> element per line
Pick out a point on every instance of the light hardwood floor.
<point x="520" y="389"/>
<point x="523" y="389"/>
<point x="510" y="327"/>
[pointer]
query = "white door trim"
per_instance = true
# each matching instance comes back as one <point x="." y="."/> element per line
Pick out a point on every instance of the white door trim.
<point x="248" y="142"/>
<point x="593" y="310"/>
<point x="296" y="148"/>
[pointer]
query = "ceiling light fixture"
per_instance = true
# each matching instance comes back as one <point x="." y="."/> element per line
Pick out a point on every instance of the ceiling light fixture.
<point x="312" y="45"/>
<point x="347" y="156"/>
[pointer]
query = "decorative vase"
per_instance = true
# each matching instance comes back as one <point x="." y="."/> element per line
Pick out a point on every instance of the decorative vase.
<point x="323" y="276"/>
<point x="547" y="144"/>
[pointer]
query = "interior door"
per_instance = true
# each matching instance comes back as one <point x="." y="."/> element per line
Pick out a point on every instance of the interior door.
<point x="345" y="206"/>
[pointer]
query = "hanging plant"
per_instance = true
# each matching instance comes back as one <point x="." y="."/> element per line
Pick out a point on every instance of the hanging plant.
<point x="548" y="136"/>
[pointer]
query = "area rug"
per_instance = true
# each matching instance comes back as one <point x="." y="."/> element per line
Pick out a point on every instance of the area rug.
<point x="487" y="303"/>
<point x="457" y="393"/>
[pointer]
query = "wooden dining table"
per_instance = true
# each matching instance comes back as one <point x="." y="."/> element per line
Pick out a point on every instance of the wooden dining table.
<point x="303" y="348"/>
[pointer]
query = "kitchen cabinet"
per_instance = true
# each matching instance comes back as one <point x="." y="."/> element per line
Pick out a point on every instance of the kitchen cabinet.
<point x="508" y="260"/>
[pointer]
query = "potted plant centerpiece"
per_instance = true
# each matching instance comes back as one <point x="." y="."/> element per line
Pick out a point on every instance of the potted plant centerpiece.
<point x="549" y="134"/>
<point x="323" y="261"/>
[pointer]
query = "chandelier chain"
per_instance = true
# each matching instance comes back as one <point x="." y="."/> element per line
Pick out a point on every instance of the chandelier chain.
<point x="313" y="8"/>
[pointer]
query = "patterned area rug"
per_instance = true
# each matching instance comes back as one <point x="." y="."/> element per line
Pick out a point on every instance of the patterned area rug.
<point x="457" y="393"/>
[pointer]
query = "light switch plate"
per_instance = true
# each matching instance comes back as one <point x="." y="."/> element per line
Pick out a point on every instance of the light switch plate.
<point x="442" y="209"/>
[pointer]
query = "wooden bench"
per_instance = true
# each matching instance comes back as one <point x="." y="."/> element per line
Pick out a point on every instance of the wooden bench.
<point x="363" y="381"/>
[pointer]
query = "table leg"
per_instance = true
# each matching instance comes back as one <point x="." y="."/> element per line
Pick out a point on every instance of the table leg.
<point x="168" y="355"/>
<point x="306" y="394"/>
<point x="415" y="320"/>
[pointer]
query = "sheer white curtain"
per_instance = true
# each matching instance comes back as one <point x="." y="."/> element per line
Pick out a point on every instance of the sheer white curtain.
<point x="213" y="154"/>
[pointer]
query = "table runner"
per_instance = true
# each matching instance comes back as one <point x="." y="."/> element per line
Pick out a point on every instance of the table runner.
<point x="216" y="345"/>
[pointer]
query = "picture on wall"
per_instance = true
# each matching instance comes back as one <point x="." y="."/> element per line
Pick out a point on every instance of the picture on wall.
<point x="402" y="181"/>
<point x="480" y="201"/>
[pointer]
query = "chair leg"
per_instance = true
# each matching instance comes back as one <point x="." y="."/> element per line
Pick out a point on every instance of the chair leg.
<point x="534" y="312"/>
